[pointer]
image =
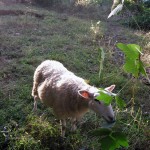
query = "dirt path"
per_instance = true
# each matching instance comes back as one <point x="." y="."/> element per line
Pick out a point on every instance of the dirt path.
<point x="11" y="2"/>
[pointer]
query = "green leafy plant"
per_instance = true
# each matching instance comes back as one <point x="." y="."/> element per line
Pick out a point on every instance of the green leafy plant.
<point x="133" y="63"/>
<point x="110" y="139"/>
<point x="134" y="66"/>
<point x="142" y="19"/>
<point x="140" y="15"/>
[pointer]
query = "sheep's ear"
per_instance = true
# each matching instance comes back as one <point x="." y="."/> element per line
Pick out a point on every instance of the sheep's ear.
<point x="85" y="94"/>
<point x="110" y="88"/>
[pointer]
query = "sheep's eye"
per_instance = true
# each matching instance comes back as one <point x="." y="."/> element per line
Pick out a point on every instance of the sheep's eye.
<point x="97" y="101"/>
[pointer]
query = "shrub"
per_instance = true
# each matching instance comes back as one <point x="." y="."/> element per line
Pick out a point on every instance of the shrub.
<point x="142" y="20"/>
<point x="141" y="15"/>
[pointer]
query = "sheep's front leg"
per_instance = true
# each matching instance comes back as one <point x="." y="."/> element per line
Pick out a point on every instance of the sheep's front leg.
<point x="63" y="127"/>
<point x="73" y="124"/>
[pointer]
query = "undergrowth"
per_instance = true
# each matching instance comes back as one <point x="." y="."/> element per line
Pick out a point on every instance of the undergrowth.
<point x="139" y="15"/>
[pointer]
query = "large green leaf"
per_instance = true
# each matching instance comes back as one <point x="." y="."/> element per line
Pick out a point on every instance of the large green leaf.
<point x="108" y="143"/>
<point x="133" y="64"/>
<point x="129" y="50"/>
<point x="136" y="49"/>
<point x="104" y="97"/>
<point x="109" y="139"/>
<point x="116" y="140"/>
<point x="120" y="139"/>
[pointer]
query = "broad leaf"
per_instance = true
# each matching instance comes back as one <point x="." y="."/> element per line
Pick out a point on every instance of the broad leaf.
<point x="133" y="64"/>
<point x="109" y="139"/>
<point x="104" y="97"/>
<point x="130" y="50"/>
<point x="120" y="139"/>
<point x="108" y="143"/>
<point x="135" y="49"/>
<point x="120" y="103"/>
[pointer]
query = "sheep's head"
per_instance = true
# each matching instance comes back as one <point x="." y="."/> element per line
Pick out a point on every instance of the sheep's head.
<point x="98" y="106"/>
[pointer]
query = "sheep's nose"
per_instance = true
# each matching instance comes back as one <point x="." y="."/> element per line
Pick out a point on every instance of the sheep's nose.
<point x="111" y="119"/>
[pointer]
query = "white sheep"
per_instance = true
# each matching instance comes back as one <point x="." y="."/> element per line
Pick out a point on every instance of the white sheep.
<point x="69" y="95"/>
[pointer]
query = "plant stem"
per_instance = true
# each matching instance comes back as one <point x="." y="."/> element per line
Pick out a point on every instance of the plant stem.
<point x="125" y="85"/>
<point x="132" y="100"/>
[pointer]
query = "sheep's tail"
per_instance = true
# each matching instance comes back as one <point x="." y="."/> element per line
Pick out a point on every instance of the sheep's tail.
<point x="36" y="82"/>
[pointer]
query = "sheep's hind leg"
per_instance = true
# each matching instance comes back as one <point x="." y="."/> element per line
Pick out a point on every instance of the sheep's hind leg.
<point x="35" y="103"/>
<point x="73" y="124"/>
<point x="63" y="127"/>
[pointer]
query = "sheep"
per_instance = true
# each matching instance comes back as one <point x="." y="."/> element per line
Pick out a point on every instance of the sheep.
<point x="67" y="94"/>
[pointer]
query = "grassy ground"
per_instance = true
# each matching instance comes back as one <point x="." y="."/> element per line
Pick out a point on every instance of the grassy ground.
<point x="26" y="40"/>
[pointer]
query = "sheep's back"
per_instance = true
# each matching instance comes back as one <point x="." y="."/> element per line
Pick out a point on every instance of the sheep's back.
<point x="50" y="68"/>
<point x="59" y="90"/>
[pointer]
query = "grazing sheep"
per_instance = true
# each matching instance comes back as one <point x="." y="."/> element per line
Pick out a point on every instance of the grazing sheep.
<point x="69" y="95"/>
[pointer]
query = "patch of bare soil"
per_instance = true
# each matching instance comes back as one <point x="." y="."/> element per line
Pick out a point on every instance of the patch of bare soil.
<point x="4" y="61"/>
<point x="10" y="2"/>
<point x="20" y="12"/>
<point x="17" y="12"/>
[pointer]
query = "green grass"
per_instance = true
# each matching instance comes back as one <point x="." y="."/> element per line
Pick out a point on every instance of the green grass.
<point x="25" y="42"/>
